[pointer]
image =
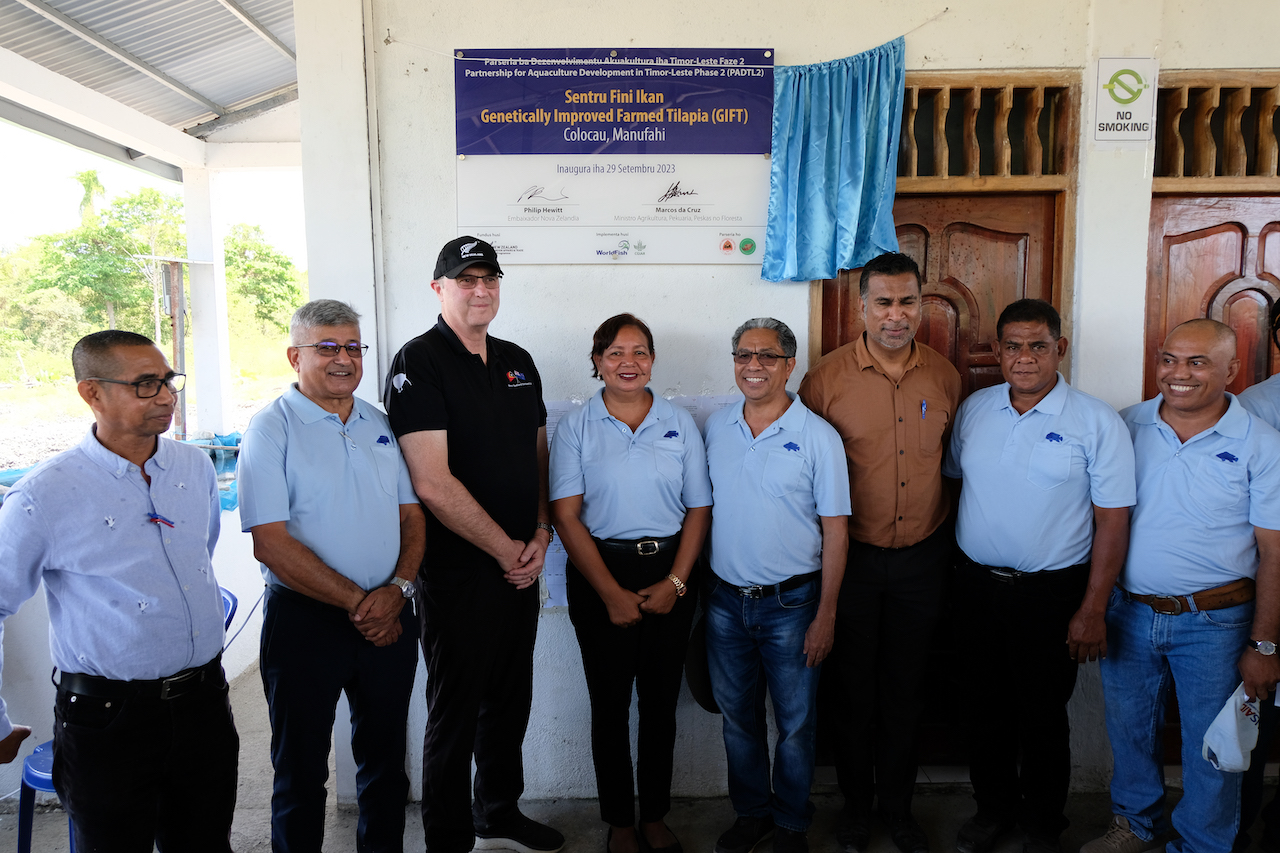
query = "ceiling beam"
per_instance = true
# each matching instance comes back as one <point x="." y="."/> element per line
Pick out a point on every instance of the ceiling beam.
<point x="114" y="50"/>
<point x="245" y="113"/>
<point x="36" y="87"/>
<point x="60" y="130"/>
<point x="262" y="32"/>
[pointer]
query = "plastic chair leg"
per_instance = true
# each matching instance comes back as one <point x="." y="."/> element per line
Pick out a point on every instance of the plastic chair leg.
<point x="26" y="809"/>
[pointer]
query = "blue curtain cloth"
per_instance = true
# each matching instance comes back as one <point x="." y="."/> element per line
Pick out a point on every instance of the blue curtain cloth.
<point x="835" y="155"/>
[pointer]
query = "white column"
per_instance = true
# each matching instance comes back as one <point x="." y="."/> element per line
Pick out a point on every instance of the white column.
<point x="1114" y="210"/>
<point x="211" y="376"/>
<point x="337" y="201"/>
<point x="336" y="185"/>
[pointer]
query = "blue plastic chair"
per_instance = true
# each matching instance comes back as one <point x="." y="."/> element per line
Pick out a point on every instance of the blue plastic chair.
<point x="37" y="770"/>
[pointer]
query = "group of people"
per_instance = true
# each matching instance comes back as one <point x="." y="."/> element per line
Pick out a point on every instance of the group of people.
<point x="817" y="526"/>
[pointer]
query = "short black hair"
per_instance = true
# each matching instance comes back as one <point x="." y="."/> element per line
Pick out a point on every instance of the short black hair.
<point x="92" y="354"/>
<point x="608" y="333"/>
<point x="890" y="263"/>
<point x="1030" y="311"/>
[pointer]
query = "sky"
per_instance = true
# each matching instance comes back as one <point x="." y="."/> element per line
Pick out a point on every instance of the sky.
<point x="39" y="194"/>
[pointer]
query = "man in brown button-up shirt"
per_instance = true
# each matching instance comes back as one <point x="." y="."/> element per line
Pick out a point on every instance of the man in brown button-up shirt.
<point x="892" y="400"/>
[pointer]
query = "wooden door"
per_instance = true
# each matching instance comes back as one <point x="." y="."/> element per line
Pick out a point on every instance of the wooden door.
<point x="977" y="253"/>
<point x="1216" y="257"/>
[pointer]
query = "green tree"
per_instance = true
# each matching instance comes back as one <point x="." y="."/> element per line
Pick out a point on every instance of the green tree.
<point x="93" y="189"/>
<point x="108" y="264"/>
<point x="262" y="275"/>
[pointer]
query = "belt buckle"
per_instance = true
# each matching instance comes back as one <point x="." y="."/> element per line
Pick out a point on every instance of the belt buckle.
<point x="1176" y="604"/>
<point x="753" y="591"/>
<point x="649" y="551"/>
<point x="175" y="682"/>
<point x="1003" y="575"/>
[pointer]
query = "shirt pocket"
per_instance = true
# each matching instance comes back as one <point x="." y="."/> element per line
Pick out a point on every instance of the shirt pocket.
<point x="668" y="459"/>
<point x="1050" y="464"/>
<point x="386" y="457"/>
<point x="783" y="471"/>
<point x="933" y="423"/>
<point x="1219" y="485"/>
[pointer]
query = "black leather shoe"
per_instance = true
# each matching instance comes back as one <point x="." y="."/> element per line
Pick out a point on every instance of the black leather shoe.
<point x="853" y="831"/>
<point x="906" y="834"/>
<point x="745" y="834"/>
<point x="979" y="835"/>
<point x="788" y="841"/>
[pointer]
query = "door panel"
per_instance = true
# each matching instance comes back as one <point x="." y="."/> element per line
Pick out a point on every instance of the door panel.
<point x="977" y="253"/>
<point x="1217" y="257"/>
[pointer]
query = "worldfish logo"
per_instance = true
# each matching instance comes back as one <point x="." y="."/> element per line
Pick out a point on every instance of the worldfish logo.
<point x="1227" y="457"/>
<point x="791" y="445"/>
<point x="1053" y="436"/>
<point x="672" y="434"/>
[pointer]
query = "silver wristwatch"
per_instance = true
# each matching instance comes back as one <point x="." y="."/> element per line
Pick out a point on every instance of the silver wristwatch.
<point x="406" y="587"/>
<point x="1263" y="647"/>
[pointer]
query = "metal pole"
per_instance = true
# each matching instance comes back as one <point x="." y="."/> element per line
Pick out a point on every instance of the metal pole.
<point x="178" y="309"/>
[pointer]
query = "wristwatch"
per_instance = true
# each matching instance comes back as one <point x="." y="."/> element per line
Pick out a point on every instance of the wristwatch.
<point x="542" y="525"/>
<point x="1263" y="647"/>
<point x="406" y="587"/>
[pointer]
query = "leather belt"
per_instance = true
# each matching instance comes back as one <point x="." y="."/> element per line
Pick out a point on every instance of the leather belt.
<point x="642" y="547"/>
<point x="1227" y="595"/>
<point x="187" y="681"/>
<point x="1003" y="574"/>
<point x="757" y="591"/>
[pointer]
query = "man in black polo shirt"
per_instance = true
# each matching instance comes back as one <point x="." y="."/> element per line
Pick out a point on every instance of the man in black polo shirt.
<point x="467" y="409"/>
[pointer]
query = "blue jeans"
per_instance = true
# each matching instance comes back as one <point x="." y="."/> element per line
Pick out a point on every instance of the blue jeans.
<point x="753" y="643"/>
<point x="1198" y="651"/>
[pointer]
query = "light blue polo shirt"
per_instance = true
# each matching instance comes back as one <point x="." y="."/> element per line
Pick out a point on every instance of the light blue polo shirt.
<point x="769" y="492"/>
<point x="1031" y="480"/>
<point x="633" y="485"/>
<point x="1263" y="400"/>
<point x="338" y="487"/>
<point x="1199" y="502"/>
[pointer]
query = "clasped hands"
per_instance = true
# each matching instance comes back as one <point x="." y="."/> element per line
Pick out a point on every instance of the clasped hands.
<point x="377" y="616"/>
<point x="627" y="608"/>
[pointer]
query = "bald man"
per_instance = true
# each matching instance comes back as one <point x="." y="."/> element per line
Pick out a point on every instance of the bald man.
<point x="1198" y="599"/>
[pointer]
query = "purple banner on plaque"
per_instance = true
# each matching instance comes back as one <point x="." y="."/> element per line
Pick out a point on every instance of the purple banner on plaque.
<point x="607" y="101"/>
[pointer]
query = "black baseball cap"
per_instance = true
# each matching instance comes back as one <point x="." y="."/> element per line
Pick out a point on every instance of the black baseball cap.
<point x="465" y="252"/>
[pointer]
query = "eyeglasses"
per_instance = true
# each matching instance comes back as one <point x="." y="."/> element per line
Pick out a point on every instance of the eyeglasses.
<point x="330" y="349"/>
<point x="148" y="388"/>
<point x="767" y="359"/>
<point x="468" y="282"/>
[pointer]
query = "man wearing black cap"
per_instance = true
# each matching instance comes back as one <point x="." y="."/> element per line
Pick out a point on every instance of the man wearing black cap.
<point x="467" y="410"/>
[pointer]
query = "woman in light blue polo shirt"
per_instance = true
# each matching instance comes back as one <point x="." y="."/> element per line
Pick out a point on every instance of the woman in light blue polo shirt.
<point x="631" y="499"/>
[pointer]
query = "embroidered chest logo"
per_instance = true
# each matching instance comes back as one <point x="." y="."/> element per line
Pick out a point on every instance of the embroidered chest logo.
<point x="672" y="434"/>
<point x="1227" y="457"/>
<point x="516" y="379"/>
<point x="1054" y="437"/>
<point x="382" y="439"/>
<point x="791" y="445"/>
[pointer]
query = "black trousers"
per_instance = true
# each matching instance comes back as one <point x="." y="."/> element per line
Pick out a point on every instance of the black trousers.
<point x="478" y="633"/>
<point x="141" y="773"/>
<point x="311" y="653"/>
<point x="1020" y="678"/>
<point x="649" y="655"/>
<point x="889" y="603"/>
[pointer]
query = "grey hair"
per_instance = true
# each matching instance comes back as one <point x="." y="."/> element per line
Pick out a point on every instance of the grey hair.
<point x="786" y="338"/>
<point x="321" y="312"/>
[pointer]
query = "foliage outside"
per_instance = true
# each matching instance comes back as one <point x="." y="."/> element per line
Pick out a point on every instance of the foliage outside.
<point x="107" y="273"/>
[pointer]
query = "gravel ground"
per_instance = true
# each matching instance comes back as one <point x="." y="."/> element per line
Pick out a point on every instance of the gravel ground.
<point x="32" y="442"/>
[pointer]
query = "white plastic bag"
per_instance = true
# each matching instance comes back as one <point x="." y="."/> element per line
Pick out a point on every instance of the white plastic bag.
<point x="1230" y="740"/>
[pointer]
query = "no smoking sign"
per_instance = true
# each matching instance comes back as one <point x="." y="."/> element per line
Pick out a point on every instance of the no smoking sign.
<point x="1125" y="100"/>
